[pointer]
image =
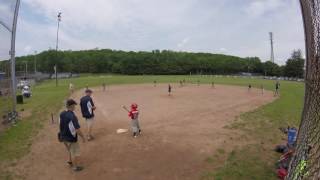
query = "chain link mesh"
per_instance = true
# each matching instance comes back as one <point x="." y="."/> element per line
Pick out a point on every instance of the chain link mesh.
<point x="7" y="9"/>
<point x="306" y="161"/>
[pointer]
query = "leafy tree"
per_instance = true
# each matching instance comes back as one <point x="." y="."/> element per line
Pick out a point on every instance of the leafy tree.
<point x="154" y="62"/>
<point x="295" y="65"/>
<point x="271" y="69"/>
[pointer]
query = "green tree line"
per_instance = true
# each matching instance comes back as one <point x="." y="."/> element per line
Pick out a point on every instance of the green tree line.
<point x="156" y="62"/>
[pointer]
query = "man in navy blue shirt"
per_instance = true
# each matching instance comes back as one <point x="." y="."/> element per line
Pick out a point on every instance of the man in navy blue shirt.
<point x="69" y="131"/>
<point x="87" y="110"/>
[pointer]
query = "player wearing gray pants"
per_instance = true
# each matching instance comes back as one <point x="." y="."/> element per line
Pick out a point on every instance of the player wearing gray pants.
<point x="133" y="114"/>
<point x="135" y="126"/>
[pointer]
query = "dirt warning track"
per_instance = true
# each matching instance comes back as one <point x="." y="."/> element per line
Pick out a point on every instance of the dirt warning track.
<point x="179" y="133"/>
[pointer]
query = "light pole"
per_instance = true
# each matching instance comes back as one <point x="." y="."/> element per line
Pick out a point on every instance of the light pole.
<point x="57" y="43"/>
<point x="35" y="62"/>
<point x="26" y="69"/>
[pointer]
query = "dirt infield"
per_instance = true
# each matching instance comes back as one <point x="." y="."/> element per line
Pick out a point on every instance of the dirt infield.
<point x="179" y="133"/>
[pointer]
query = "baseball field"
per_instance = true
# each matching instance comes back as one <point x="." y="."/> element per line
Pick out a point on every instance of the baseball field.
<point x="199" y="132"/>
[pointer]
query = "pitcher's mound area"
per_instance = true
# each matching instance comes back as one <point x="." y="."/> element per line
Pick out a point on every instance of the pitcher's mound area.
<point x="179" y="133"/>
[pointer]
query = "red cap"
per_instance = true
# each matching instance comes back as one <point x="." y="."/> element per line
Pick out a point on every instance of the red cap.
<point x="134" y="105"/>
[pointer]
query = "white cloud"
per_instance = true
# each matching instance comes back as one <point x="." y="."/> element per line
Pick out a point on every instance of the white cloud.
<point x="223" y="50"/>
<point x="27" y="49"/>
<point x="259" y="7"/>
<point x="183" y="42"/>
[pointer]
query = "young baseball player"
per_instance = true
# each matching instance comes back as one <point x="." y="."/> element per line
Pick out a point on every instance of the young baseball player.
<point x="212" y="84"/>
<point x="154" y="83"/>
<point x="249" y="87"/>
<point x="262" y="89"/>
<point x="103" y="86"/>
<point x="134" y="115"/>
<point x="276" y="92"/>
<point x="169" y="90"/>
<point x="71" y="88"/>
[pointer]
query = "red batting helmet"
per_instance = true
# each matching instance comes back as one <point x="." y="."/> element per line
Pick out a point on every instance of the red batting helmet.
<point x="134" y="105"/>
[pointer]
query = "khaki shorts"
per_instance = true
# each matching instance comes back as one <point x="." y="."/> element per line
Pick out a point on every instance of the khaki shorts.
<point x="73" y="148"/>
<point x="90" y="121"/>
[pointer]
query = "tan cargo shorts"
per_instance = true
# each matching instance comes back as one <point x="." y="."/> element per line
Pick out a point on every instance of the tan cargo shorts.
<point x="73" y="148"/>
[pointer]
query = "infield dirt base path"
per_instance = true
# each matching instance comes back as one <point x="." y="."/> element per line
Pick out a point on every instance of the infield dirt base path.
<point x="179" y="133"/>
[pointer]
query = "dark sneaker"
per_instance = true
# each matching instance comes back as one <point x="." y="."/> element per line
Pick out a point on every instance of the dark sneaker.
<point x="77" y="168"/>
<point x="70" y="163"/>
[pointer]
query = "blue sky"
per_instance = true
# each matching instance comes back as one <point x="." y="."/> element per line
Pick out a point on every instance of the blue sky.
<point x="235" y="27"/>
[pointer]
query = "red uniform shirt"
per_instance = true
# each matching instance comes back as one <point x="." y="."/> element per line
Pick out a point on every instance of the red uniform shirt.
<point x="134" y="113"/>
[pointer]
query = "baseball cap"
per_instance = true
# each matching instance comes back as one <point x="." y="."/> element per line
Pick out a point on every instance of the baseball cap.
<point x="88" y="91"/>
<point x="71" y="102"/>
<point x="134" y="105"/>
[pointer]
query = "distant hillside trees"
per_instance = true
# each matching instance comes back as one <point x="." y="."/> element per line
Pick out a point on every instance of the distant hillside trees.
<point x="156" y="62"/>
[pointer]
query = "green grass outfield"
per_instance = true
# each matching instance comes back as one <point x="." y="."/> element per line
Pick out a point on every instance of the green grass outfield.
<point x="249" y="162"/>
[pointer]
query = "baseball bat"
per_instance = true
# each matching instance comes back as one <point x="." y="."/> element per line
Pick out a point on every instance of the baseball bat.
<point x="125" y="108"/>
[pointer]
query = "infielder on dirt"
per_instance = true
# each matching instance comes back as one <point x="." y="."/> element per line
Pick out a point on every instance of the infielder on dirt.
<point x="68" y="134"/>
<point x="87" y="110"/>
<point x="169" y="90"/>
<point x="104" y="86"/>
<point x="134" y="115"/>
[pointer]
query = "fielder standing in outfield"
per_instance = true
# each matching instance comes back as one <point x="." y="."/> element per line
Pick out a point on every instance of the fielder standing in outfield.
<point x="87" y="110"/>
<point x="71" y="88"/>
<point x="276" y="92"/>
<point x="134" y="115"/>
<point x="68" y="134"/>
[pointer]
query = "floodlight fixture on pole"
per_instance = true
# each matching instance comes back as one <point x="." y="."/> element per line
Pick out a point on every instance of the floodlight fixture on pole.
<point x="57" y="45"/>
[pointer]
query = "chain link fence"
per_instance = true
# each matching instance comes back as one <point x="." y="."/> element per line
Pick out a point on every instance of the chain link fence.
<point x="305" y="163"/>
<point x="7" y="11"/>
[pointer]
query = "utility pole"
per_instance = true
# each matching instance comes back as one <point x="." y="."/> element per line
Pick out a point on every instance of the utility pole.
<point x="26" y="69"/>
<point x="272" y="51"/>
<point x="12" y="60"/>
<point x="57" y="43"/>
<point x="35" y="62"/>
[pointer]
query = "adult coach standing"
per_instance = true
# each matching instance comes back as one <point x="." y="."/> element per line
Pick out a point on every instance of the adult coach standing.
<point x="69" y="131"/>
<point x="87" y="110"/>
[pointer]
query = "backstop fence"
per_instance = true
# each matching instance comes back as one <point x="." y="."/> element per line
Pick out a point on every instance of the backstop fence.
<point x="8" y="18"/>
